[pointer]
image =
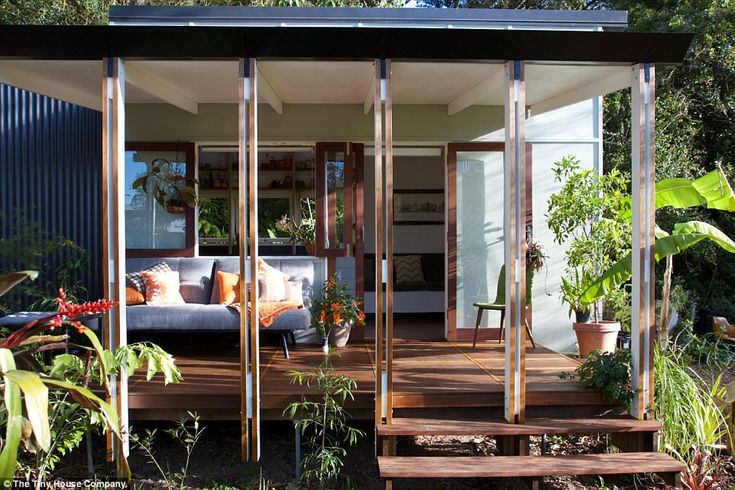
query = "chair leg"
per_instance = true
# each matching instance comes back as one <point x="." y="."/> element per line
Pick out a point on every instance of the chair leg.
<point x="293" y="339"/>
<point x="477" y="326"/>
<point x="502" y="326"/>
<point x="530" y="335"/>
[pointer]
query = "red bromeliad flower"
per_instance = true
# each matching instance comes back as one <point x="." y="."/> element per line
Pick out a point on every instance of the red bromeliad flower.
<point x="67" y="312"/>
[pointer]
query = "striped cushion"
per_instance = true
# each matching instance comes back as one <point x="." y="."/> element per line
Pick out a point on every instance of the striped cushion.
<point x="408" y="269"/>
<point x="135" y="279"/>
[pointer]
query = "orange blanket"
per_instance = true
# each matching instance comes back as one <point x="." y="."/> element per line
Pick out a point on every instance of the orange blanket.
<point x="269" y="311"/>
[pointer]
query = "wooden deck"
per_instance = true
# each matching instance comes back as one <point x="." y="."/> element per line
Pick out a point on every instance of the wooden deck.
<point x="426" y="375"/>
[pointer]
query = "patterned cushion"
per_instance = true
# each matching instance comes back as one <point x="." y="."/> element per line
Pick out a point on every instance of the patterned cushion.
<point x="162" y="288"/>
<point x="135" y="279"/>
<point x="408" y="269"/>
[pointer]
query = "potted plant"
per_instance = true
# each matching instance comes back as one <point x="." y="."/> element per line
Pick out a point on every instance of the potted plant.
<point x="337" y="311"/>
<point x="169" y="186"/>
<point x="303" y="230"/>
<point x="588" y="216"/>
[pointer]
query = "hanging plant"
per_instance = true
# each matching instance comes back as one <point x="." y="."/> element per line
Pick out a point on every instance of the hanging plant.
<point x="169" y="186"/>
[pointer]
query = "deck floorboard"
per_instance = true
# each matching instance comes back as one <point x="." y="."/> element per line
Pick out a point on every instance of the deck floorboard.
<point x="426" y="375"/>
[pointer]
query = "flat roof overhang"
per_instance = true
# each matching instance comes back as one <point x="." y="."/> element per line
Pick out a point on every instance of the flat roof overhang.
<point x="198" y="42"/>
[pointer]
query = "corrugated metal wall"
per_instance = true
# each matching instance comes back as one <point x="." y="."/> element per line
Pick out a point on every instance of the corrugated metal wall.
<point x="50" y="163"/>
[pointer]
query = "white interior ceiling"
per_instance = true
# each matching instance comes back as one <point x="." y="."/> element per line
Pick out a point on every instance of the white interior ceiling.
<point x="189" y="83"/>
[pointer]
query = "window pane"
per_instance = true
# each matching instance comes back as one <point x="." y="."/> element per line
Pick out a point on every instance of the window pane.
<point x="148" y="224"/>
<point x="335" y="199"/>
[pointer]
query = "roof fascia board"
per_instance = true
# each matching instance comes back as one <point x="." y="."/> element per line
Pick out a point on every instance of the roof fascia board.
<point x="369" y="17"/>
<point x="159" y="42"/>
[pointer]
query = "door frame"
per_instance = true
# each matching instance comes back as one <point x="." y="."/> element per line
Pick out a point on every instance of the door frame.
<point x="452" y="332"/>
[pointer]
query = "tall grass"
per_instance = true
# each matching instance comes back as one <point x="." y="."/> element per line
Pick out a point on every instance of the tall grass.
<point x="686" y="407"/>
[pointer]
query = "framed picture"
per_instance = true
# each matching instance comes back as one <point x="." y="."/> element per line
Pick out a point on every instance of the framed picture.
<point x="418" y="207"/>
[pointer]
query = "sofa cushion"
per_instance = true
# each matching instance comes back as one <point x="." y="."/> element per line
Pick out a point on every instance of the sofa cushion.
<point x="204" y="317"/>
<point x="182" y="317"/>
<point x="195" y="274"/>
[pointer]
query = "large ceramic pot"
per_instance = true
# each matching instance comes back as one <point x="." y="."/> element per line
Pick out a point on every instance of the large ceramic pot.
<point x="340" y="334"/>
<point x="592" y="336"/>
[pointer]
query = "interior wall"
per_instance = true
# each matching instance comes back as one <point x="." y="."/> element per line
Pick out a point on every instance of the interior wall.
<point x="410" y="173"/>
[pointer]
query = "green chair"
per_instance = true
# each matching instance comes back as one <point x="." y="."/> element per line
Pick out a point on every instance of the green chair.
<point x="499" y="305"/>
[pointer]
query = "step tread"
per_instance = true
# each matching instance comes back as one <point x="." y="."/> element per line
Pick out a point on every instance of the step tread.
<point x="532" y="426"/>
<point x="526" y="466"/>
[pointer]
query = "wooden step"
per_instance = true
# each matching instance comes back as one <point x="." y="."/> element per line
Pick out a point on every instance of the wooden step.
<point x="528" y="466"/>
<point x="499" y="427"/>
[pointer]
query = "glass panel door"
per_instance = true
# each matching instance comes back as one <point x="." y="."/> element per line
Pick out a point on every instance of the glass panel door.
<point x="475" y="248"/>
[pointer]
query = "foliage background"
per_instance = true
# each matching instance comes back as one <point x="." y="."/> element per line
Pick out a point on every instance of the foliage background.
<point x="695" y="101"/>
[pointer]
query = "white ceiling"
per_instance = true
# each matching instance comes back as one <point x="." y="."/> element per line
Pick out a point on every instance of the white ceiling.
<point x="343" y="82"/>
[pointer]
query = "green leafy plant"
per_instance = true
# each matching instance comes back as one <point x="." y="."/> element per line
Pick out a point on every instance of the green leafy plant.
<point x="30" y="247"/>
<point x="214" y="220"/>
<point x="167" y="184"/>
<point x="587" y="215"/>
<point x="686" y="406"/>
<point x="302" y="230"/>
<point x="336" y="306"/>
<point x="322" y="419"/>
<point x="712" y="190"/>
<point x="187" y="432"/>
<point x="609" y="373"/>
<point x="38" y="398"/>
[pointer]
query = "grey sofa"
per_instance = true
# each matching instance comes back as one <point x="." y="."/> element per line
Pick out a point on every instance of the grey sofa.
<point x="202" y="311"/>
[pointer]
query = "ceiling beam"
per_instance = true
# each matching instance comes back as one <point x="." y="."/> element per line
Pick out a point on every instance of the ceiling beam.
<point x="368" y="100"/>
<point x="492" y="84"/>
<point x="269" y="93"/>
<point x="148" y="83"/>
<point x="602" y="86"/>
<point x="28" y="80"/>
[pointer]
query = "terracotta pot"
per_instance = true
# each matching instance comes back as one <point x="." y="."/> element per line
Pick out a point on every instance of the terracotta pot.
<point x="310" y="248"/>
<point x="596" y="336"/>
<point x="340" y="334"/>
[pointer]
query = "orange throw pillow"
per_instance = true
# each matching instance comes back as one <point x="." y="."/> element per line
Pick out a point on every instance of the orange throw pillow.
<point x="162" y="288"/>
<point x="229" y="287"/>
<point x="133" y="296"/>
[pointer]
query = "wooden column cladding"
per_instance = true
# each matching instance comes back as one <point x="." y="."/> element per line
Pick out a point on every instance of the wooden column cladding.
<point x="644" y="224"/>
<point x="515" y="241"/>
<point x="379" y="216"/>
<point x="113" y="234"/>
<point x="386" y="74"/>
<point x="248" y="242"/>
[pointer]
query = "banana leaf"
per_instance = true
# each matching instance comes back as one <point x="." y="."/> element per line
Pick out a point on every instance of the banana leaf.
<point x="683" y="236"/>
<point x="36" y="401"/>
<point x="711" y="189"/>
